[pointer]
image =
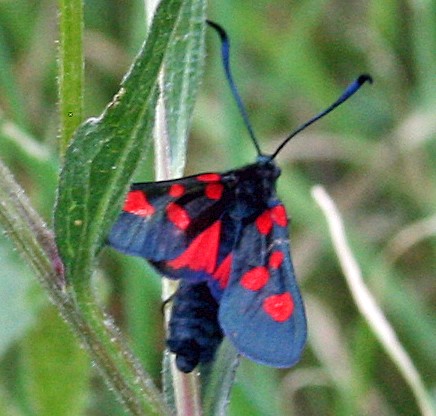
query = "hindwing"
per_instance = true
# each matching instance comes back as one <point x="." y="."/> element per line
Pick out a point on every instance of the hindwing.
<point x="261" y="311"/>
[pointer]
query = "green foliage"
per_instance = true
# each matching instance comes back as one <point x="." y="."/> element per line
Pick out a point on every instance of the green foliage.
<point x="104" y="152"/>
<point x="16" y="283"/>
<point x="290" y="59"/>
<point x="183" y="68"/>
<point x="56" y="380"/>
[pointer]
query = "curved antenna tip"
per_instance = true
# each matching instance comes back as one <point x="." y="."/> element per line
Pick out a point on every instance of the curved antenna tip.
<point x="365" y="78"/>
<point x="225" y="52"/>
<point x="218" y="28"/>
<point x="349" y="91"/>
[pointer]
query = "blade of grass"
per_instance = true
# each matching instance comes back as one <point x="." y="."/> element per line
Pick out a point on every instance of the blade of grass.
<point x="218" y="379"/>
<point x="71" y="69"/>
<point x="367" y="304"/>
<point x="179" y="82"/>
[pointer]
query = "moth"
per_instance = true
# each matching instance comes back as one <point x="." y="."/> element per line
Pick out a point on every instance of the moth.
<point x="225" y="236"/>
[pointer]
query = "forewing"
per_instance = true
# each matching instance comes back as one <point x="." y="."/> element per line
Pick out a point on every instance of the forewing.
<point x="179" y="226"/>
<point x="261" y="310"/>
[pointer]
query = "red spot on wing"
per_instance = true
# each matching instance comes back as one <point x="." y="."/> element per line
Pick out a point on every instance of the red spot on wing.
<point x="214" y="190"/>
<point x="176" y="190"/>
<point x="276" y="259"/>
<point x="178" y="216"/>
<point x="202" y="253"/>
<point x="278" y="215"/>
<point x="279" y="307"/>
<point x="136" y="203"/>
<point x="209" y="177"/>
<point x="222" y="274"/>
<point x="264" y="222"/>
<point x="255" y="278"/>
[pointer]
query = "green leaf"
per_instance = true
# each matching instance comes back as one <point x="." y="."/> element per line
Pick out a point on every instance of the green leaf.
<point x="218" y="379"/>
<point x="105" y="151"/>
<point x="183" y="70"/>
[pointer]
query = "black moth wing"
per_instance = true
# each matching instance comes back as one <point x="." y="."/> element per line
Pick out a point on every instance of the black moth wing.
<point x="178" y="219"/>
<point x="261" y="311"/>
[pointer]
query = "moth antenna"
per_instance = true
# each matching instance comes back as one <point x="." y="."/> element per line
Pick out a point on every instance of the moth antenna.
<point x="349" y="91"/>
<point x="225" y="49"/>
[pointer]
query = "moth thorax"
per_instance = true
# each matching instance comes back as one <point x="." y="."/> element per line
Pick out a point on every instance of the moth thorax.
<point x="256" y="185"/>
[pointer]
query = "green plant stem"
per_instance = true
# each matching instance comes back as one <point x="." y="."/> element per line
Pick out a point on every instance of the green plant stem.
<point x="118" y="364"/>
<point x="98" y="334"/>
<point x="71" y="69"/>
<point x="186" y="386"/>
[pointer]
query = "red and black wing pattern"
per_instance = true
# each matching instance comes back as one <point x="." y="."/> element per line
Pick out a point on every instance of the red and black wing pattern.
<point x="230" y="232"/>
<point x="261" y="311"/>
<point x="180" y="226"/>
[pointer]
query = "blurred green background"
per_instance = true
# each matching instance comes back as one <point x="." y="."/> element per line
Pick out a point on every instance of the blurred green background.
<point x="376" y="156"/>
